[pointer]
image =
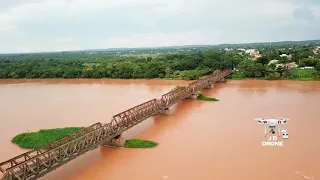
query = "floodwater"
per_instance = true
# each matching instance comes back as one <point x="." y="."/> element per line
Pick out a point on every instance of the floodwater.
<point x="199" y="140"/>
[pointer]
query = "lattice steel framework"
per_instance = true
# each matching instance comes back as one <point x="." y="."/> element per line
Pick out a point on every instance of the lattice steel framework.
<point x="38" y="162"/>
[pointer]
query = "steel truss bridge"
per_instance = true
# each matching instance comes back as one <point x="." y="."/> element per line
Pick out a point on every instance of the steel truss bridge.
<point x="38" y="162"/>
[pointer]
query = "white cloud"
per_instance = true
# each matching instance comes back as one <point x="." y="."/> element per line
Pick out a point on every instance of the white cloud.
<point x="50" y="25"/>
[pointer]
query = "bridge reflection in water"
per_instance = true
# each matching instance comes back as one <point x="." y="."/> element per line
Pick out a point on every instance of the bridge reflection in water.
<point x="38" y="162"/>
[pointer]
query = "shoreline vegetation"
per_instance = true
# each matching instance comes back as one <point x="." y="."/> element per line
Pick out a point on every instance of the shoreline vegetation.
<point x="281" y="79"/>
<point x="33" y="140"/>
<point x="292" y="75"/>
<point x="260" y="61"/>
<point x="229" y="78"/>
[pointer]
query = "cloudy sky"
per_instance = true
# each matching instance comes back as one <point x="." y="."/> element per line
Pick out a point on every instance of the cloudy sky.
<point x="55" y="25"/>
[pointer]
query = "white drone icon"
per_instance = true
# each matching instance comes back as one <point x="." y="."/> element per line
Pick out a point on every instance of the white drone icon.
<point x="271" y="124"/>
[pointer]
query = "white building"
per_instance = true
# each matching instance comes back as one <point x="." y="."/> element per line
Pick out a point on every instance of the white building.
<point x="250" y="51"/>
<point x="289" y="65"/>
<point x="273" y="62"/>
<point x="285" y="55"/>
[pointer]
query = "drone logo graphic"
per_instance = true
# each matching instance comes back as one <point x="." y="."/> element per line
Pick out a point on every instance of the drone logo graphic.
<point x="272" y="124"/>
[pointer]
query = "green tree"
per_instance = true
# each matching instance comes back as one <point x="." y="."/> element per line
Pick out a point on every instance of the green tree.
<point x="263" y="60"/>
<point x="273" y="76"/>
<point x="318" y="67"/>
<point x="252" y="69"/>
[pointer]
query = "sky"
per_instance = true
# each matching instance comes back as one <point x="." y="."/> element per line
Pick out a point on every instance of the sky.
<point x="60" y="25"/>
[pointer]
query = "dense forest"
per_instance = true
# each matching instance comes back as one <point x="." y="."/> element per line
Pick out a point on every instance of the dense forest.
<point x="177" y="64"/>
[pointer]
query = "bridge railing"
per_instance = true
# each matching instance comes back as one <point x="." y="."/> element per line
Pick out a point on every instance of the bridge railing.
<point x="38" y="162"/>
<point x="134" y="114"/>
<point x="200" y="84"/>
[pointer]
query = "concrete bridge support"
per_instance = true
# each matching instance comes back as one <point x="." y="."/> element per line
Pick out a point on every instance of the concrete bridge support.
<point x="193" y="95"/>
<point x="165" y="111"/>
<point x="117" y="141"/>
<point x="223" y="80"/>
<point x="209" y="87"/>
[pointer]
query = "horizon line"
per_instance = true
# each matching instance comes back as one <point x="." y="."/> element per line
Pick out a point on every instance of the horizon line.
<point x="158" y="47"/>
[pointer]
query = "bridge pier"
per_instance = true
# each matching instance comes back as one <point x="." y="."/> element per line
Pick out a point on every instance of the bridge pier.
<point x="165" y="111"/>
<point x="117" y="141"/>
<point x="223" y="80"/>
<point x="209" y="87"/>
<point x="194" y="95"/>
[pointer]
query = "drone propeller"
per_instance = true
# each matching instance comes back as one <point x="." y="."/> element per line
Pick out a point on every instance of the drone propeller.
<point x="260" y="120"/>
<point x="283" y="118"/>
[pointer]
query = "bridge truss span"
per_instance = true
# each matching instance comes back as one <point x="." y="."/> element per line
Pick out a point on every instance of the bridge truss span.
<point x="135" y="114"/>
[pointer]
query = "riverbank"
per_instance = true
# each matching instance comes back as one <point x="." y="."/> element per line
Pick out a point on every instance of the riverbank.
<point x="292" y="74"/>
<point x="93" y="80"/>
<point x="284" y="79"/>
<point x="105" y="78"/>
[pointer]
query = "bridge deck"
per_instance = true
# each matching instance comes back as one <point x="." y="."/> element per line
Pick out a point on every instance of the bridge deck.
<point x="38" y="162"/>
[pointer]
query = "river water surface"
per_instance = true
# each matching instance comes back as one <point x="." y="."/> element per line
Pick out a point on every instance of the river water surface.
<point x="199" y="140"/>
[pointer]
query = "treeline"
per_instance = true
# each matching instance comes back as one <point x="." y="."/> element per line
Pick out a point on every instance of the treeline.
<point x="255" y="69"/>
<point x="180" y="65"/>
<point x="262" y="68"/>
<point x="187" y="66"/>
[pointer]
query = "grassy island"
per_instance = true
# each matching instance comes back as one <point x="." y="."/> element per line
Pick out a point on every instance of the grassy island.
<point x="139" y="143"/>
<point x="32" y="140"/>
<point x="205" y="98"/>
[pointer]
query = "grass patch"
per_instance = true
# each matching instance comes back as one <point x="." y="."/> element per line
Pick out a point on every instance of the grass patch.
<point x="139" y="143"/>
<point x="34" y="140"/>
<point x="303" y="74"/>
<point x="205" y="98"/>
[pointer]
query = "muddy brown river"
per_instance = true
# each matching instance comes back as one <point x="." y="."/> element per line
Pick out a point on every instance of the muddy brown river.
<point x="199" y="140"/>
